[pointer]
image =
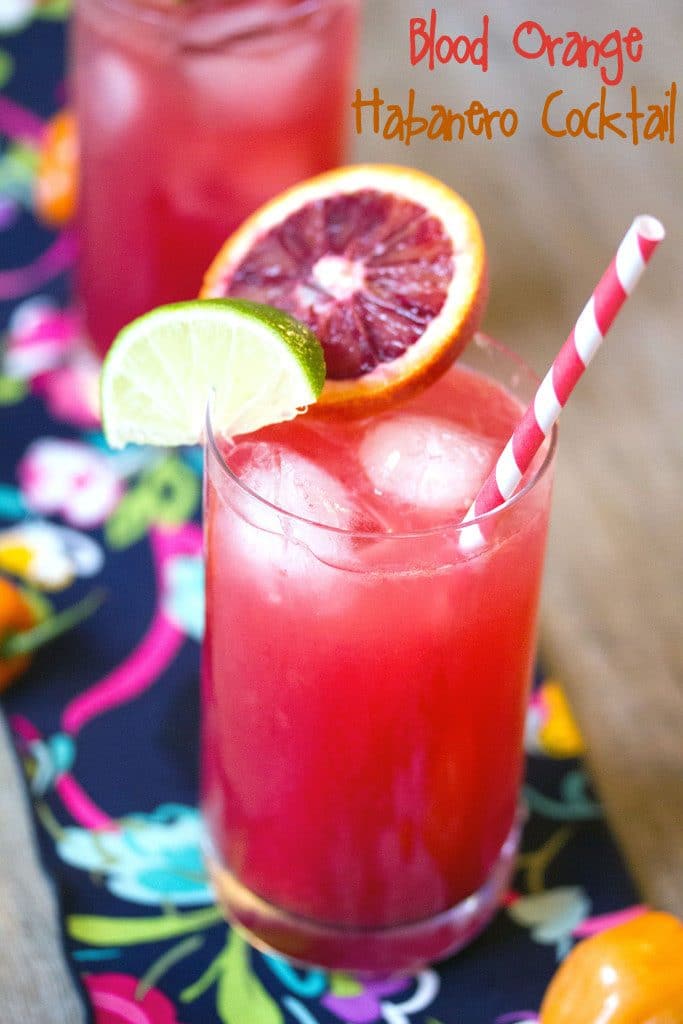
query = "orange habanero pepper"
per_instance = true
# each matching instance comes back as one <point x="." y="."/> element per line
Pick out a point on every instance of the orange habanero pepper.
<point x="629" y="974"/>
<point x="16" y="615"/>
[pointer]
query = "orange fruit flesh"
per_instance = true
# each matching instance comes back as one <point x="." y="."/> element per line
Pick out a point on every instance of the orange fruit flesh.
<point x="386" y="265"/>
<point x="629" y="974"/>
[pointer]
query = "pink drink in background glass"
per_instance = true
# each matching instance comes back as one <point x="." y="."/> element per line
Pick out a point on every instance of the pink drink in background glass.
<point x="190" y="115"/>
<point x="365" y="682"/>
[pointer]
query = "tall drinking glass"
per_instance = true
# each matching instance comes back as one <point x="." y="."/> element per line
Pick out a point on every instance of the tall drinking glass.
<point x="191" y="113"/>
<point x="366" y="673"/>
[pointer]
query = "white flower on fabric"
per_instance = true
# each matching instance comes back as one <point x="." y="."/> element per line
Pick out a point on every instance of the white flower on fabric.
<point x="70" y="479"/>
<point x="47" y="555"/>
<point x="30" y="313"/>
<point x="14" y="14"/>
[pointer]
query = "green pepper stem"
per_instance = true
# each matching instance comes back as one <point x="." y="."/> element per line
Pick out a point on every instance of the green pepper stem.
<point x="28" y="640"/>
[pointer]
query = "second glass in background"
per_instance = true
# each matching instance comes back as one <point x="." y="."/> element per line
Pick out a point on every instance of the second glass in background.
<point x="190" y="115"/>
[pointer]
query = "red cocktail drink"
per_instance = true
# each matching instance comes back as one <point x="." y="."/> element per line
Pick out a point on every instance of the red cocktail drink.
<point x="365" y="672"/>
<point x="190" y="115"/>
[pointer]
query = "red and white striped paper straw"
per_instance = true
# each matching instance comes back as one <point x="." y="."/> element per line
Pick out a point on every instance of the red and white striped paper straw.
<point x="598" y="315"/>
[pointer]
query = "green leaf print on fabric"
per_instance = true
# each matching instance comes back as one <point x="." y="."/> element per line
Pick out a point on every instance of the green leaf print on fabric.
<point x="130" y="931"/>
<point x="18" y="167"/>
<point x="205" y="981"/>
<point x="344" y="985"/>
<point x="167" y="494"/>
<point x="55" y="10"/>
<point x="241" y="996"/>
<point x="575" y="803"/>
<point x="6" y="67"/>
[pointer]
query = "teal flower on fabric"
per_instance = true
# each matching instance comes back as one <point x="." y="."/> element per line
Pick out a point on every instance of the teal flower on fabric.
<point x="51" y="758"/>
<point x="152" y="859"/>
<point x="184" y="594"/>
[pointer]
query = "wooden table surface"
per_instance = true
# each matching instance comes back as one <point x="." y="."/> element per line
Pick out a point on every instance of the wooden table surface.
<point x="553" y="211"/>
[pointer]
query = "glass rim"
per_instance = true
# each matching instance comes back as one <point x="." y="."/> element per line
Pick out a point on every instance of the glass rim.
<point x="161" y="12"/>
<point x="211" y="445"/>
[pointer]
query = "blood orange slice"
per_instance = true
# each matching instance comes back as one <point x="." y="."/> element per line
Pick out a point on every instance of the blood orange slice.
<point x="385" y="264"/>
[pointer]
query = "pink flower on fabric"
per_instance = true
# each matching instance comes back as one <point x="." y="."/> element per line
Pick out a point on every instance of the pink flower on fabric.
<point x="70" y="479"/>
<point x="40" y="336"/>
<point x="119" y="999"/>
<point x="71" y="393"/>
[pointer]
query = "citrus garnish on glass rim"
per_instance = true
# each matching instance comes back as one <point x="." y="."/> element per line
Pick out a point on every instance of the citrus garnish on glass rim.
<point x="260" y="365"/>
<point x="385" y="264"/>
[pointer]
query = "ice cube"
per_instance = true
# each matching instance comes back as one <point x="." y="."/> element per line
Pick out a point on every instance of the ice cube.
<point x="219" y="25"/>
<point x="293" y="484"/>
<point x="260" y="82"/>
<point x="425" y="462"/>
<point x="114" y="95"/>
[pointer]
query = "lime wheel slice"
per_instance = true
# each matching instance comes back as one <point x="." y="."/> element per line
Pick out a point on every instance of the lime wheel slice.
<point x="259" y="364"/>
<point x="385" y="264"/>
